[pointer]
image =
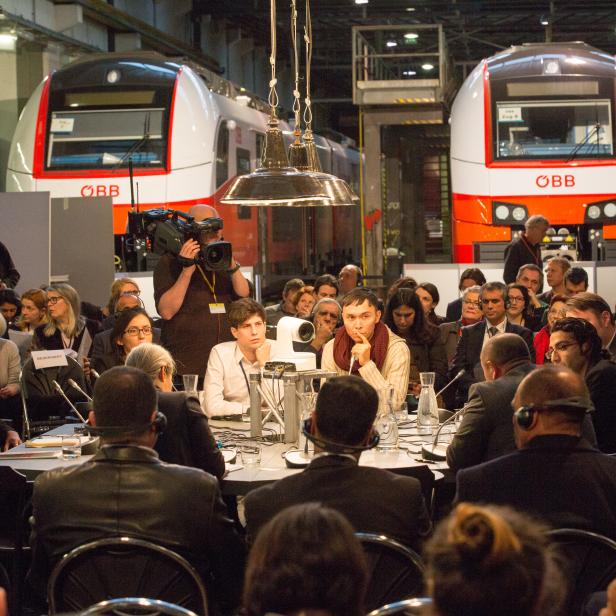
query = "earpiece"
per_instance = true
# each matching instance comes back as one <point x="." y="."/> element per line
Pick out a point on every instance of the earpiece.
<point x="338" y="447"/>
<point x="159" y="424"/>
<point x="525" y="414"/>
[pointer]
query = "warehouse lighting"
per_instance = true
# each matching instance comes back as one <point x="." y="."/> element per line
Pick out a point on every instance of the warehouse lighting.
<point x="427" y="66"/>
<point x="409" y="73"/>
<point x="361" y="1"/>
<point x="391" y="44"/>
<point x="410" y="9"/>
<point x="544" y="21"/>
<point x="411" y="36"/>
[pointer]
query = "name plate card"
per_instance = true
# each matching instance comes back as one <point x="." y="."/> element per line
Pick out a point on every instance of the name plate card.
<point x="49" y="359"/>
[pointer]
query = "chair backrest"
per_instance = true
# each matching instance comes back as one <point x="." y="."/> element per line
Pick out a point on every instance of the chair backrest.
<point x="416" y="605"/>
<point x="590" y="563"/>
<point x="123" y="567"/>
<point x="43" y="408"/>
<point x="13" y="488"/>
<point x="136" y="605"/>
<point x="395" y="571"/>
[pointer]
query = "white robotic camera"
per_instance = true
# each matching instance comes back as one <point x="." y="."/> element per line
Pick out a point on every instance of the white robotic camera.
<point x="288" y="331"/>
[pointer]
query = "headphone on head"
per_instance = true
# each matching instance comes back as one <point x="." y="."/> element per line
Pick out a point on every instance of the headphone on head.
<point x="332" y="447"/>
<point x="159" y="425"/>
<point x="525" y="415"/>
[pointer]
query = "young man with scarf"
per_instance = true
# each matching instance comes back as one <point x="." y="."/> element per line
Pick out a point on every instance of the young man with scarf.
<point x="367" y="348"/>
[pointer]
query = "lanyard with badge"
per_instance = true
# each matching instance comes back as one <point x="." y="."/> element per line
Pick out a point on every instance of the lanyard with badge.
<point x="216" y="307"/>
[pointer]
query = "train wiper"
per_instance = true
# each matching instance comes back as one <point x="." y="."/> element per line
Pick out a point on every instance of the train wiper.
<point x="138" y="144"/>
<point x="595" y="130"/>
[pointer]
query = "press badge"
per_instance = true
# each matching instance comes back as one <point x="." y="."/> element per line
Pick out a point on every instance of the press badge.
<point x="217" y="309"/>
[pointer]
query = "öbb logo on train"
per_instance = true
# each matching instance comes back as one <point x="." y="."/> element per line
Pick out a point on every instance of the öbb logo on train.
<point x="555" y="181"/>
<point x="100" y="190"/>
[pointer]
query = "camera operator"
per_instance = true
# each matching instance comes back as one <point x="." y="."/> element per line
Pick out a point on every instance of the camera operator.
<point x="193" y="301"/>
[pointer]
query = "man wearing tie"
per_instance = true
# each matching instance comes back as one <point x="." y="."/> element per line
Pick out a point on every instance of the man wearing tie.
<point x="493" y="299"/>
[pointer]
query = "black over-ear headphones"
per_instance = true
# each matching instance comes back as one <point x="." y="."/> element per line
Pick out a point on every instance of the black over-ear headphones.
<point x="159" y="424"/>
<point x="332" y="447"/>
<point x="525" y="414"/>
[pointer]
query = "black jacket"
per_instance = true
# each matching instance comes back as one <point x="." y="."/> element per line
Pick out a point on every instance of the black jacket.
<point x="562" y="479"/>
<point x="187" y="439"/>
<point x="103" y="356"/>
<point x="8" y="273"/>
<point x="127" y="490"/>
<point x="468" y="351"/>
<point x="601" y="383"/>
<point x="454" y="310"/>
<point x="373" y="500"/>
<point x="519" y="253"/>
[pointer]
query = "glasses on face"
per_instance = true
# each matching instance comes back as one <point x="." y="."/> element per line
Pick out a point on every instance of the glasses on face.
<point x="559" y="347"/>
<point x="135" y="292"/>
<point x="52" y="301"/>
<point x="515" y="300"/>
<point x="472" y="304"/>
<point x="135" y="331"/>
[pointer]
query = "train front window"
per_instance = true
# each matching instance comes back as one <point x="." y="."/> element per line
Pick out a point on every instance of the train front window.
<point x="553" y="129"/>
<point x="106" y="138"/>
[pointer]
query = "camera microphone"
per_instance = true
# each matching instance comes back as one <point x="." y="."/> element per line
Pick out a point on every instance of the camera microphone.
<point x="75" y="385"/>
<point x="59" y="389"/>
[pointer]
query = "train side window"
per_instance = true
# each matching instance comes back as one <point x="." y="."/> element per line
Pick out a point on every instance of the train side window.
<point x="222" y="154"/>
<point x="242" y="159"/>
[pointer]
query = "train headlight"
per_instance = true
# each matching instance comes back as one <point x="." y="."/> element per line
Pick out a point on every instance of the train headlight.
<point x="594" y="211"/>
<point x="519" y="214"/>
<point x="502" y="212"/>
<point x="610" y="210"/>
<point x="113" y="76"/>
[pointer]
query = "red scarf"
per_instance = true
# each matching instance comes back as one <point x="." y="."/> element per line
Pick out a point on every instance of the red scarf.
<point x="343" y="343"/>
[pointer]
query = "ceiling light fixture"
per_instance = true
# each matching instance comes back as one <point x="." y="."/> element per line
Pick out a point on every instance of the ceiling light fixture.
<point x="391" y="44"/>
<point x="361" y="1"/>
<point x="409" y="73"/>
<point x="544" y="21"/>
<point x="427" y="66"/>
<point x="411" y="36"/>
<point x="410" y="9"/>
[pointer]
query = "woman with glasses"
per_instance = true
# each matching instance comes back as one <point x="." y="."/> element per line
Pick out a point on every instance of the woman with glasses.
<point x="541" y="341"/>
<point x="67" y="329"/>
<point x="471" y="314"/>
<point x="131" y="328"/>
<point x="519" y="310"/>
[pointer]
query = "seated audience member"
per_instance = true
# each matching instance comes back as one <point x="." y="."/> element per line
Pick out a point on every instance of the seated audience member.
<point x="66" y="328"/>
<point x="486" y="431"/>
<point x="187" y="439"/>
<point x="286" y="307"/>
<point x="367" y="347"/>
<point x="576" y="281"/>
<point x="10" y="369"/>
<point x="471" y="314"/>
<point x="10" y="306"/>
<point x="33" y="310"/>
<point x="594" y="309"/>
<point x="526" y="248"/>
<point x="125" y="490"/>
<point x="226" y="382"/>
<point x="126" y="301"/>
<point x="428" y="294"/>
<point x="349" y="278"/>
<point x="474" y="337"/>
<point x="326" y="286"/>
<point x="304" y="302"/>
<point x="132" y="328"/>
<point x="325" y="317"/>
<point x="118" y="288"/>
<point x="555" y="474"/>
<point x="405" y="317"/>
<point x="488" y="560"/>
<point x="574" y="343"/>
<point x="555" y="271"/>
<point x="306" y="560"/>
<point x="541" y="341"/>
<point x="531" y="277"/>
<point x="406" y="282"/>
<point x="9" y="438"/>
<point x="372" y="499"/>
<point x="520" y="311"/>
<point x="470" y="277"/>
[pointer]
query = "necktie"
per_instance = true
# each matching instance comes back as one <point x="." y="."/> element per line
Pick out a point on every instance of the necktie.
<point x="492" y="331"/>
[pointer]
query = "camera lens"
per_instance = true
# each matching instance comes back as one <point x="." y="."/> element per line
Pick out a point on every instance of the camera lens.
<point x="214" y="255"/>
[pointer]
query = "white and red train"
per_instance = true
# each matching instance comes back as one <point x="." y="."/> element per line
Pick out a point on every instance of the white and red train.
<point x="188" y="133"/>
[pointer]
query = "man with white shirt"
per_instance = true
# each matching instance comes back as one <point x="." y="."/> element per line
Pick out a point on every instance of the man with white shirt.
<point x="230" y="364"/>
<point x="474" y="337"/>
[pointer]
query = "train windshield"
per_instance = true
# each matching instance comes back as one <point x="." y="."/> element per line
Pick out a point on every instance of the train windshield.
<point x="106" y="138"/>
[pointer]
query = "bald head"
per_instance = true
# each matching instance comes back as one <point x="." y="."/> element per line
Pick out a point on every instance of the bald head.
<point x="550" y="383"/>
<point x="505" y="350"/>
<point x="201" y="211"/>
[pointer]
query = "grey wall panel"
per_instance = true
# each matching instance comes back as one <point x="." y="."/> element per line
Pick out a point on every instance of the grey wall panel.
<point x="24" y="230"/>
<point x="82" y="245"/>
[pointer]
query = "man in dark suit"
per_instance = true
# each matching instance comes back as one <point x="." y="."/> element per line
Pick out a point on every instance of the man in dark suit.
<point x="486" y="431"/>
<point x="555" y="474"/>
<point x="470" y="277"/>
<point x="126" y="490"/>
<point x="374" y="500"/>
<point x="474" y="337"/>
<point x="594" y="309"/>
<point x="526" y="248"/>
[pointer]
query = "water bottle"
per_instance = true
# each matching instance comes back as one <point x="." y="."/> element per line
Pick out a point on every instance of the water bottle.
<point x="427" y="408"/>
<point x="386" y="421"/>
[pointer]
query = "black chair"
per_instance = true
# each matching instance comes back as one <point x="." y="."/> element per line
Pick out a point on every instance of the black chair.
<point x="13" y="530"/>
<point x="590" y="563"/>
<point x="395" y="571"/>
<point x="123" y="567"/>
<point x="43" y="407"/>
<point x="133" y="605"/>
<point x="417" y="605"/>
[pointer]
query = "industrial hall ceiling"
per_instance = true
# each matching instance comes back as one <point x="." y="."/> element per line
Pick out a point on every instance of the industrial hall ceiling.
<point x="474" y="29"/>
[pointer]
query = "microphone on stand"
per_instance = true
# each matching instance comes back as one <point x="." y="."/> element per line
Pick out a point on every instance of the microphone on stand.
<point x="434" y="452"/>
<point x="75" y="385"/>
<point x="95" y="374"/>
<point x="61" y="392"/>
<point x="455" y="378"/>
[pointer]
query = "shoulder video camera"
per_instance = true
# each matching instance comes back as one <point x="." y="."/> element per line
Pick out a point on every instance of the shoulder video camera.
<point x="169" y="229"/>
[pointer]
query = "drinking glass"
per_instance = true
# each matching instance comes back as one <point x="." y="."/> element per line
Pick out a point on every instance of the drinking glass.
<point x="190" y="383"/>
<point x="71" y="446"/>
<point x="250" y="454"/>
<point x="402" y="414"/>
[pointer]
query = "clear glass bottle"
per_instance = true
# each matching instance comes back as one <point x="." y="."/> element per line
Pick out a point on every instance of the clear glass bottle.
<point x="307" y="402"/>
<point x="385" y="422"/>
<point x="427" y="408"/>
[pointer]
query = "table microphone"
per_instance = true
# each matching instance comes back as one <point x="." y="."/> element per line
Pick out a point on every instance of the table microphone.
<point x="429" y="452"/>
<point x="61" y="392"/>
<point x="75" y="385"/>
<point x="455" y="378"/>
<point x="95" y="374"/>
